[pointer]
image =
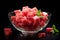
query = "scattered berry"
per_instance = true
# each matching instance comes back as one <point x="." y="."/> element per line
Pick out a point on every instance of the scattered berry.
<point x="42" y="35"/>
<point x="48" y="30"/>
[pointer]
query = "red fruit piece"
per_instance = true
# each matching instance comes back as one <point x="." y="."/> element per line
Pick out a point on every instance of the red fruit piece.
<point x="34" y="9"/>
<point x="36" y="22"/>
<point x="44" y="14"/>
<point x="13" y="18"/>
<point x="17" y="11"/>
<point x="19" y="14"/>
<point x="25" y="7"/>
<point x="30" y="20"/>
<point x="48" y="30"/>
<point x="25" y="10"/>
<point x="30" y="14"/>
<point x="25" y="13"/>
<point x="18" y="18"/>
<point x="42" y="35"/>
<point x="42" y="23"/>
<point x="45" y="18"/>
<point x="7" y="31"/>
<point x="36" y="19"/>
<point x="21" y="21"/>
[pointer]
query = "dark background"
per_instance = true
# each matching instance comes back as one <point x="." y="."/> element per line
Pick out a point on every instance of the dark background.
<point x="7" y="6"/>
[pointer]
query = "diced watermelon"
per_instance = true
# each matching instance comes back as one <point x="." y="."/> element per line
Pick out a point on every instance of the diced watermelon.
<point x="45" y="14"/>
<point x="17" y="11"/>
<point x="45" y="18"/>
<point x="30" y="14"/>
<point x="42" y="23"/>
<point x="27" y="18"/>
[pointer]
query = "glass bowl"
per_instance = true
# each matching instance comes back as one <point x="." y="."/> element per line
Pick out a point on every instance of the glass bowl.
<point x="29" y="31"/>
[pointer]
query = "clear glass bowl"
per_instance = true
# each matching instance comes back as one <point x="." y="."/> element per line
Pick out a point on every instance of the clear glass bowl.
<point x="22" y="29"/>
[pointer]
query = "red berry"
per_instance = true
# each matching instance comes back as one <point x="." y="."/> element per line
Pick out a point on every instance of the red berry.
<point x="7" y="31"/>
<point x="42" y="35"/>
<point x="49" y="29"/>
